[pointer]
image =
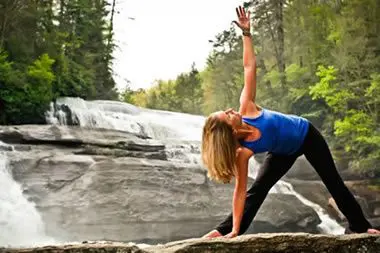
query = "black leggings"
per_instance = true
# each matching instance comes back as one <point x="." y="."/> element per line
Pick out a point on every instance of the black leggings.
<point x="275" y="166"/>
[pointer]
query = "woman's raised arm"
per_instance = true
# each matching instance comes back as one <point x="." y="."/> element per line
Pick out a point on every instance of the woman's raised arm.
<point x="248" y="94"/>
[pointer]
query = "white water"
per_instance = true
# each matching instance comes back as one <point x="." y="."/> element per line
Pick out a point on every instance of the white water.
<point x="184" y="130"/>
<point x="328" y="225"/>
<point x="159" y="125"/>
<point x="20" y="222"/>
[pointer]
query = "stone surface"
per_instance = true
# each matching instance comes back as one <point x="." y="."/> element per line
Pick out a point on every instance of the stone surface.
<point x="317" y="192"/>
<point x="143" y="200"/>
<point x="263" y="243"/>
<point x="278" y="243"/>
<point x="287" y="215"/>
<point x="96" y="184"/>
<point x="302" y="170"/>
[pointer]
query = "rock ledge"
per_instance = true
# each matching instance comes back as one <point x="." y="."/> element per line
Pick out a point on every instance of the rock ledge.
<point x="263" y="243"/>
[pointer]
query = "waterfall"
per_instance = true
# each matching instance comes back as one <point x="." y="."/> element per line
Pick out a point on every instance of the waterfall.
<point x="20" y="222"/>
<point x="328" y="225"/>
<point x="116" y="115"/>
<point x="180" y="132"/>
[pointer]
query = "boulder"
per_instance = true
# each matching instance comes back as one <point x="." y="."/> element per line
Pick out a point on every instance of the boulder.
<point x="284" y="213"/>
<point x="302" y="170"/>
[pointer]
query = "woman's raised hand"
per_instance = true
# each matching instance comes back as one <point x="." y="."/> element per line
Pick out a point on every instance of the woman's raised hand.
<point x="244" y="22"/>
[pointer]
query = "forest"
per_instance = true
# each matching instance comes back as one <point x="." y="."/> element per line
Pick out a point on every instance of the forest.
<point x="319" y="59"/>
<point x="50" y="49"/>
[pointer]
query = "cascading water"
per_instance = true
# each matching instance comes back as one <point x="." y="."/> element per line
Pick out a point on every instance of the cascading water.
<point x="180" y="132"/>
<point x="20" y="222"/>
<point x="328" y="225"/>
<point x="156" y="124"/>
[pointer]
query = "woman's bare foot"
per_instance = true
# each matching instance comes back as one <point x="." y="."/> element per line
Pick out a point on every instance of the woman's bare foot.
<point x="212" y="234"/>
<point x="373" y="231"/>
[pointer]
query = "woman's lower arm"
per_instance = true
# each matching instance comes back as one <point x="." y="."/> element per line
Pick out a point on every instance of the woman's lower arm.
<point x="249" y="58"/>
<point x="238" y="207"/>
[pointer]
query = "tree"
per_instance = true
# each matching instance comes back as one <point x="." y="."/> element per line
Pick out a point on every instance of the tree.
<point x="77" y="38"/>
<point x="26" y="98"/>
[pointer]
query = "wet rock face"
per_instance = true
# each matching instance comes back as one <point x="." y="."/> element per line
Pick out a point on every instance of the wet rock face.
<point x="263" y="243"/>
<point x="96" y="184"/>
<point x="368" y="198"/>
<point x="287" y="215"/>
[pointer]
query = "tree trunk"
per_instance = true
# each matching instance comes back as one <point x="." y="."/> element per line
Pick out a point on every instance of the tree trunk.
<point x="281" y="41"/>
<point x="111" y="25"/>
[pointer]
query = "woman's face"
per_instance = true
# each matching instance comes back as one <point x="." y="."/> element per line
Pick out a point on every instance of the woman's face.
<point x="231" y="117"/>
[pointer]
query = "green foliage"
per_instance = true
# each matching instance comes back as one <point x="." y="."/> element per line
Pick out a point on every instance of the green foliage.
<point x="373" y="91"/>
<point x="38" y="89"/>
<point x="162" y="96"/>
<point x="53" y="49"/>
<point x="26" y="97"/>
<point x="355" y="107"/>
<point x="335" y="95"/>
<point x="184" y="94"/>
<point x="127" y="95"/>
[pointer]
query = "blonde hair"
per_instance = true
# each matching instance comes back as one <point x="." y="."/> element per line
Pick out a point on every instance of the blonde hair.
<point x="219" y="149"/>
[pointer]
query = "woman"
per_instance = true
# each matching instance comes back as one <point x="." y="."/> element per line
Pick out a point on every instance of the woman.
<point x="230" y="138"/>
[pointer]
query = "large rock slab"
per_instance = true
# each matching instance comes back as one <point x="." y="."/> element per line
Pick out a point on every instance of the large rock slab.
<point x="263" y="243"/>
<point x="143" y="200"/>
<point x="86" y="141"/>
<point x="98" y="184"/>
<point x="277" y="243"/>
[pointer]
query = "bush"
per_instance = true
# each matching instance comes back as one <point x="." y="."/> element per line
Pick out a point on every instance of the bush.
<point x="25" y="94"/>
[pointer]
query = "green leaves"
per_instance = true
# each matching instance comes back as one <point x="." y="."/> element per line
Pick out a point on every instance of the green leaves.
<point x="324" y="88"/>
<point x="335" y="95"/>
<point x="53" y="48"/>
<point x="26" y="97"/>
<point x="355" y="107"/>
<point x="40" y="70"/>
<point x="373" y="91"/>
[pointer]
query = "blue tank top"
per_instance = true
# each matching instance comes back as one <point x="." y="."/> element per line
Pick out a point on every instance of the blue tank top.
<point x="280" y="133"/>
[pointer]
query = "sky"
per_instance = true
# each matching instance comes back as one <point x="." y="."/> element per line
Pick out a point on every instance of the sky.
<point x="159" y="39"/>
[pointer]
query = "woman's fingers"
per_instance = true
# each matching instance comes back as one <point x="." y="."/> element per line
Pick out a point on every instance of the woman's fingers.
<point x="242" y="11"/>
<point x="243" y="16"/>
<point x="236" y="23"/>
<point x="237" y="12"/>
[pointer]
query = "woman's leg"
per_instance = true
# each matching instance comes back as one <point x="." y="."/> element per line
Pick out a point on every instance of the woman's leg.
<point x="318" y="154"/>
<point x="273" y="168"/>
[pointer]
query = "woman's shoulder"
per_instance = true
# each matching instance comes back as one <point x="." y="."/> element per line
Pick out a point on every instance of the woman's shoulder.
<point x="253" y="111"/>
<point x="243" y="152"/>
